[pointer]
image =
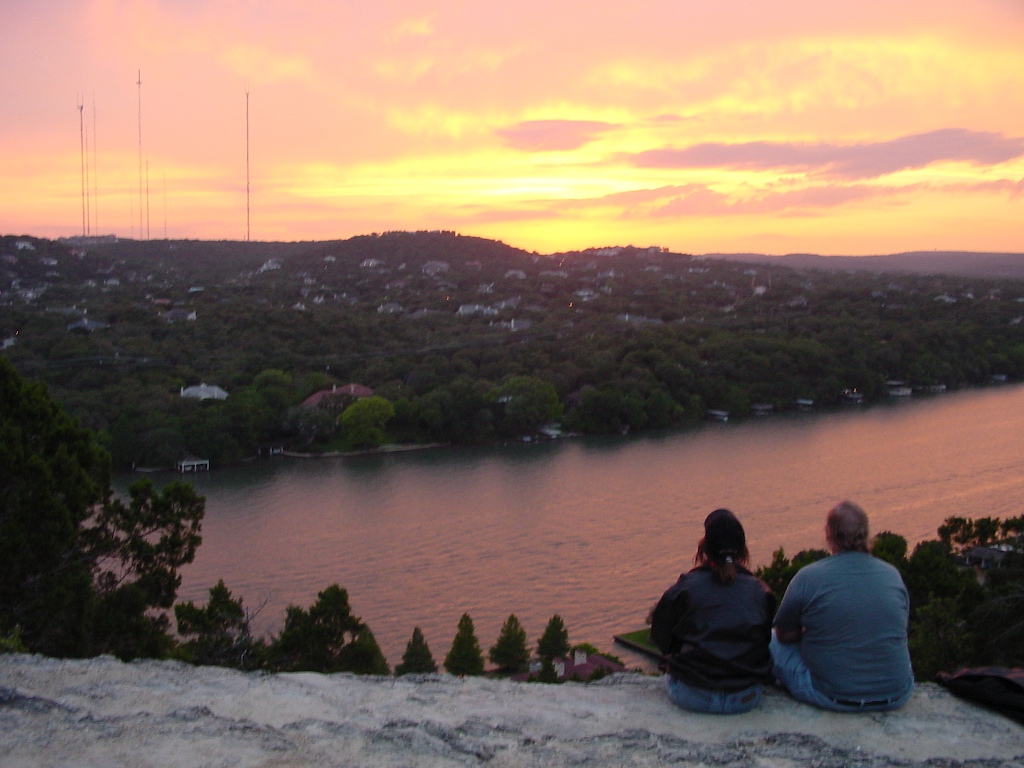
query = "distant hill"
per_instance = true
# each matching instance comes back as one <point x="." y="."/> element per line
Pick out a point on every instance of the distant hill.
<point x="967" y="263"/>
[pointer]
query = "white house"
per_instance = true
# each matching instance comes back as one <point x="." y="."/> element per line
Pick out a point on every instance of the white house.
<point x="204" y="392"/>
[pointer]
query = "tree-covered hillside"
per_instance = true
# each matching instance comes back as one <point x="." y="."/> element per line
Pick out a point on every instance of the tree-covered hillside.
<point x="466" y="339"/>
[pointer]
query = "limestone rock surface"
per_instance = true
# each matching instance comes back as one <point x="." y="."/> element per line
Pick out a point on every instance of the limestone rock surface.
<point x="102" y="712"/>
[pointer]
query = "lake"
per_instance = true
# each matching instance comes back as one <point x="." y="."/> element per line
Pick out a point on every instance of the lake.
<point x="592" y="529"/>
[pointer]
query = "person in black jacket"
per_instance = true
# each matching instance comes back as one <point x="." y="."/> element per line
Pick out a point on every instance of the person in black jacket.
<point x="714" y="625"/>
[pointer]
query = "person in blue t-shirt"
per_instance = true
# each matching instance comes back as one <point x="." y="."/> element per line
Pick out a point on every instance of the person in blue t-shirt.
<point x="841" y="630"/>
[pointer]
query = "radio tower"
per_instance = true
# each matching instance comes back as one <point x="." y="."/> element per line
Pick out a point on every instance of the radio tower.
<point x="139" y="83"/>
<point x="247" y="164"/>
<point x="147" y="198"/>
<point x="95" y="174"/>
<point x="81" y="142"/>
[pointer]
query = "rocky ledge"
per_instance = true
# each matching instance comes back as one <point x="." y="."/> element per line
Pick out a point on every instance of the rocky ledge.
<point x="101" y="712"/>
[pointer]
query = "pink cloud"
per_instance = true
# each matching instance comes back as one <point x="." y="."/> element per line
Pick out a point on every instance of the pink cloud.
<point x="852" y="161"/>
<point x="553" y="135"/>
<point x="706" y="202"/>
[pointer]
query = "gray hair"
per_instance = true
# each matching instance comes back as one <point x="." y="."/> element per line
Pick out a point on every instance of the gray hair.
<point x="846" y="527"/>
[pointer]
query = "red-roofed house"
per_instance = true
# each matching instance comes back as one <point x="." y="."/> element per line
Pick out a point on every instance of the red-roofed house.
<point x="580" y="666"/>
<point x="336" y="398"/>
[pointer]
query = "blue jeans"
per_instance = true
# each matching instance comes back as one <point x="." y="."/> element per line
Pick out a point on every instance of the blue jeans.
<point x="792" y="672"/>
<point x="712" y="702"/>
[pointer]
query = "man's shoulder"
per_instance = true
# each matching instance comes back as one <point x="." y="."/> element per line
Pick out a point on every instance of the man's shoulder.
<point x="818" y="567"/>
<point x="844" y="564"/>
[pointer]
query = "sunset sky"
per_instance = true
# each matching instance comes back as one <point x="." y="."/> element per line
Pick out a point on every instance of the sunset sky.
<point x="710" y="126"/>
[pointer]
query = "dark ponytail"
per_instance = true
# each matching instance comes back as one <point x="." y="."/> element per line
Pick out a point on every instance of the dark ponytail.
<point x="722" y="564"/>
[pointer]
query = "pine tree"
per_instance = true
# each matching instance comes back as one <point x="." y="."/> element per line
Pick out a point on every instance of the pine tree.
<point x="554" y="643"/>
<point x="364" y="657"/>
<point x="219" y="633"/>
<point x="417" y="658"/>
<point x="510" y="652"/>
<point x="465" y="657"/>
<point x="320" y="639"/>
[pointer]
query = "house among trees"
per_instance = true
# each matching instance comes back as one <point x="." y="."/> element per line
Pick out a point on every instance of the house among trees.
<point x="85" y="324"/>
<point x="581" y="666"/>
<point x="986" y="557"/>
<point x="337" y="398"/>
<point x="204" y="392"/>
<point x="176" y="315"/>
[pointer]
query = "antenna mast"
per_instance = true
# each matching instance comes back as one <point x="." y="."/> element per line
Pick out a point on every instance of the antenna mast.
<point x="81" y="142"/>
<point x="95" y="174"/>
<point x="139" y="83"/>
<point x="247" y="220"/>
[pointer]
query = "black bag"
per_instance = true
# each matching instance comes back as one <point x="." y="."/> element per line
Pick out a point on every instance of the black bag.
<point x="999" y="688"/>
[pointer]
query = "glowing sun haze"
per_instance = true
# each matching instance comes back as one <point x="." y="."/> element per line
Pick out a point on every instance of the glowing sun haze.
<point x="733" y="125"/>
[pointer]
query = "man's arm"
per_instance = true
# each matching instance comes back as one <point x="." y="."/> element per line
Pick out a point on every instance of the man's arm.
<point x="790" y="636"/>
<point x="789" y="626"/>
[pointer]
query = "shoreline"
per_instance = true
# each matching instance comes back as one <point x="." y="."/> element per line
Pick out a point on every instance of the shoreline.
<point x="795" y="413"/>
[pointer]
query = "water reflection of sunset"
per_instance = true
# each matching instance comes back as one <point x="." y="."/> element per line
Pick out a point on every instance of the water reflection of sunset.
<point x="789" y="126"/>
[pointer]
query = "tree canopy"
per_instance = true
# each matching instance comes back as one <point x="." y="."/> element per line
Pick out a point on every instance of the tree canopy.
<point x="509" y="652"/>
<point x="610" y="341"/>
<point x="323" y="638"/>
<point x="218" y="633"/>
<point x="465" y="656"/>
<point x="554" y="643"/>
<point x="81" y="572"/>
<point x="417" y="658"/>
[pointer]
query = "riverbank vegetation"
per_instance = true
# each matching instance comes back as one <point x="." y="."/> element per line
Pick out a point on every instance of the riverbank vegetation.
<point x="461" y="340"/>
<point x="83" y="573"/>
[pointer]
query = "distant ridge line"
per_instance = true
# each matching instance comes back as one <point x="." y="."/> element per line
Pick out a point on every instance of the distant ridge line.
<point x="987" y="264"/>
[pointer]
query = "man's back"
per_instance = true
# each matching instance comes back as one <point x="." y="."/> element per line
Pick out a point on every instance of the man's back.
<point x="853" y="611"/>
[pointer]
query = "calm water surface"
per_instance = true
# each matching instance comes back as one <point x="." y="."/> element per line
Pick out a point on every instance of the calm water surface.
<point x="592" y="529"/>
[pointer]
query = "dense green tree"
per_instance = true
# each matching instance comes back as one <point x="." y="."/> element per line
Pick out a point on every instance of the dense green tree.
<point x="781" y="570"/>
<point x="554" y="643"/>
<point x="218" y="633"/>
<point x="365" y="655"/>
<point x="940" y="638"/>
<point x="607" y="409"/>
<point x="453" y="413"/>
<point x="510" y="652"/>
<point x="137" y="550"/>
<point x="960" y="534"/>
<point x="660" y="409"/>
<point x="364" y="421"/>
<point x="54" y="475"/>
<point x="417" y="658"/>
<point x="932" y="572"/>
<point x="309" y="423"/>
<point x="524" y="404"/>
<point x="326" y="638"/>
<point x="890" y="547"/>
<point x="82" y="572"/>
<point x="465" y="656"/>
